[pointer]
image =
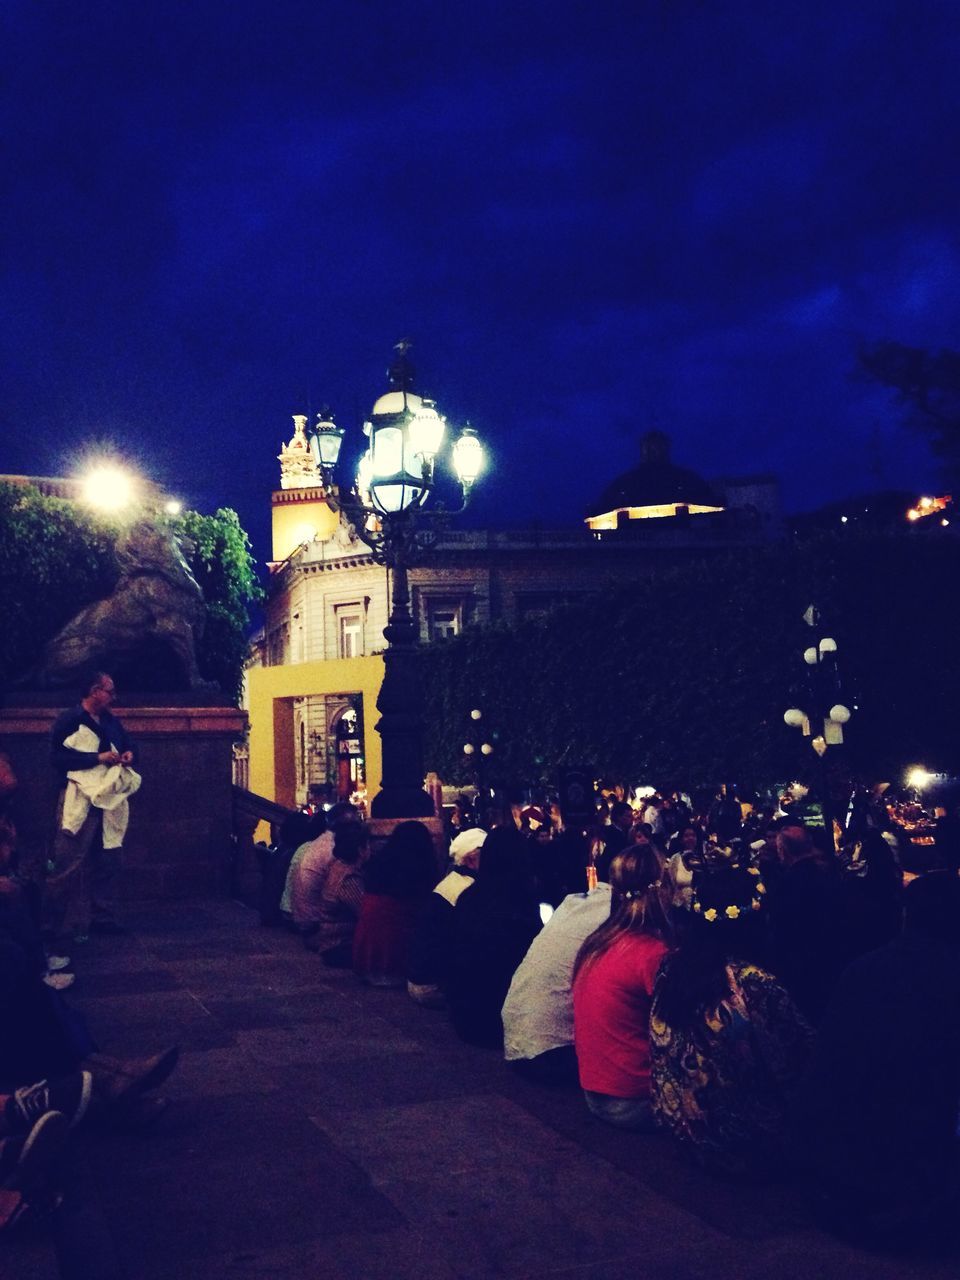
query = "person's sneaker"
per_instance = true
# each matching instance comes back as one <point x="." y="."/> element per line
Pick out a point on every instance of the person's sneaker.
<point x="59" y="981"/>
<point x="69" y="1096"/>
<point x="115" y="1078"/>
<point x="107" y="928"/>
<point x="56" y="963"/>
<point x="25" y="1189"/>
<point x="41" y="1147"/>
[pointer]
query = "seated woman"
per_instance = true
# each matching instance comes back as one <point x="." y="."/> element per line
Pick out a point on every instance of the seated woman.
<point x="341" y="898"/>
<point x="729" y="1045"/>
<point x="612" y="987"/>
<point x="684" y="846"/>
<point x="398" y="879"/>
<point x="494" y="922"/>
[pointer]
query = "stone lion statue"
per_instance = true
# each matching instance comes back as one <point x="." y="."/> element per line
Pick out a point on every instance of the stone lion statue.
<point x="156" y="606"/>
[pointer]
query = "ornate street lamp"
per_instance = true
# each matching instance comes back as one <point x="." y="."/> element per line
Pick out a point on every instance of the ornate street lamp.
<point x="387" y="505"/>
<point x="824" y="706"/>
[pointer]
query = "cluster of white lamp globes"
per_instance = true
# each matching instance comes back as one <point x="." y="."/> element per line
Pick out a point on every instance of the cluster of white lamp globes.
<point x="397" y="471"/>
<point x="486" y="748"/>
<point x="836" y="717"/>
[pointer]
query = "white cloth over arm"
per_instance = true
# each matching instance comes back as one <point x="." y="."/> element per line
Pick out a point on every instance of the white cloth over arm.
<point x="105" y="786"/>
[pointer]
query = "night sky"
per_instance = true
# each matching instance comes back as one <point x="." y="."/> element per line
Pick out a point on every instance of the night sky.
<point x="591" y="218"/>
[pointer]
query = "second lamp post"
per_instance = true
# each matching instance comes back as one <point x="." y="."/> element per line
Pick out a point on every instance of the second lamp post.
<point x="387" y="505"/>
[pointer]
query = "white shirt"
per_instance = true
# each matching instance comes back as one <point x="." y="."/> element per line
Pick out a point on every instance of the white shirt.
<point x="538" y="1011"/>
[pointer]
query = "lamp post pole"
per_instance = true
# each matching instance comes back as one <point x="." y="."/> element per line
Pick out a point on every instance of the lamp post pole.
<point x="478" y="750"/>
<point x="825" y="709"/>
<point x="386" y="506"/>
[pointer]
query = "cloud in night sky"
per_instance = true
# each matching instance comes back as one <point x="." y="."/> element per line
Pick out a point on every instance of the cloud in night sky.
<point x="592" y="219"/>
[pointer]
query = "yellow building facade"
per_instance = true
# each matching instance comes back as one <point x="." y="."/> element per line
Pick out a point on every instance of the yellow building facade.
<point x="277" y="699"/>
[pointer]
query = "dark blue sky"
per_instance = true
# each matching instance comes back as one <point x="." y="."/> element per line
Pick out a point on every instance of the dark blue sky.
<point x="592" y="218"/>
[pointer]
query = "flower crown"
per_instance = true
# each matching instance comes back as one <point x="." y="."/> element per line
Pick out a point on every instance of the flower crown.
<point x="733" y="911"/>
<point x="630" y="894"/>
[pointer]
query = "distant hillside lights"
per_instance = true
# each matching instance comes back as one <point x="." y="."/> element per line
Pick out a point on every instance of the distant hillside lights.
<point x="927" y="507"/>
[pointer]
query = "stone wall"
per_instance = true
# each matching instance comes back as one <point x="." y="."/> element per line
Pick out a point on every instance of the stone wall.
<point x="179" y="839"/>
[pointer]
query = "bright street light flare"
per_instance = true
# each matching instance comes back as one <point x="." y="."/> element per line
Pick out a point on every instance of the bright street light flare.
<point x="109" y="487"/>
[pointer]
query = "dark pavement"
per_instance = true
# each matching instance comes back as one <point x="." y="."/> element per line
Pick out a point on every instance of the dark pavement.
<point x="320" y="1128"/>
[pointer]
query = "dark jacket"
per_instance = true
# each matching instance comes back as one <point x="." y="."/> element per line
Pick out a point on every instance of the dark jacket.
<point x="111" y="734"/>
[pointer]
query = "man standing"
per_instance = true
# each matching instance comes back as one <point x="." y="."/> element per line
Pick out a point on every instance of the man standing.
<point x="88" y="743"/>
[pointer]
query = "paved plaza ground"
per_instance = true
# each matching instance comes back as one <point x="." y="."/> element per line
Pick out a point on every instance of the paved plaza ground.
<point x="319" y="1128"/>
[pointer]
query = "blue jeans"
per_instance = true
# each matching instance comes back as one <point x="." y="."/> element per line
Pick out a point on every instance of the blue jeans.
<point x="625" y="1113"/>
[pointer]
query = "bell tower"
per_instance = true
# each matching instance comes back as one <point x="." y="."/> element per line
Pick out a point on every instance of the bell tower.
<point x="300" y="508"/>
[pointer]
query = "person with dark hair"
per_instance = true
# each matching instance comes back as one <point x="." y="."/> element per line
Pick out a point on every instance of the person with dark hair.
<point x="398" y="879"/>
<point x="297" y="830"/>
<point x="494" y="922"/>
<point x="94" y="758"/>
<point x="725" y="816"/>
<point x="807" y="928"/>
<point x="613" y="978"/>
<point x="341" y="898"/>
<point x="870" y="895"/>
<point x="876" y="1125"/>
<point x="310" y="864"/>
<point x="729" y="1045"/>
<point x="947" y="837"/>
<point x="615" y="837"/>
<point x="560" y="866"/>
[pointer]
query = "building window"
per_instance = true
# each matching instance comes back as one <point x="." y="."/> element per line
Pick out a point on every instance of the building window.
<point x="278" y="645"/>
<point x="444" y="619"/>
<point x="350" y="631"/>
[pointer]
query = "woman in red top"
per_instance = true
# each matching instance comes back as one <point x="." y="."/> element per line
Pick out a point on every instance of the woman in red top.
<point x="612" y="989"/>
<point x="398" y="879"/>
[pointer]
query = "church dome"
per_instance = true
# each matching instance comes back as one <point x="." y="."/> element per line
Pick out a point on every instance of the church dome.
<point x="657" y="487"/>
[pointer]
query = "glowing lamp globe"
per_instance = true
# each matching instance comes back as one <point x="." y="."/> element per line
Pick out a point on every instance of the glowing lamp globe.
<point x="325" y="442"/>
<point x="425" y="431"/>
<point x="840" y="713"/>
<point x="399" y="477"/>
<point x="468" y="457"/>
<point x="828" y="645"/>
<point x="810" y="656"/>
<point x="109" y="487"/>
<point x="794" y="717"/>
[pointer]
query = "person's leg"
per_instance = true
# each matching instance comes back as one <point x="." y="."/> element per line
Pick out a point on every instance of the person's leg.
<point x="67" y="888"/>
<point x="625" y="1113"/>
<point x="104" y="872"/>
<point x="35" y="1042"/>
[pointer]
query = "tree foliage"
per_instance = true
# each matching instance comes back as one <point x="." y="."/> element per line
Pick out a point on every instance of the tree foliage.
<point x="56" y="557"/>
<point x="927" y="384"/>
<point x="219" y="554"/>
<point x="685" y="678"/>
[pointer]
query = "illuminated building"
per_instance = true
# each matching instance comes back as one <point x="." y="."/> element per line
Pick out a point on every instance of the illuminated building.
<point x="327" y="600"/>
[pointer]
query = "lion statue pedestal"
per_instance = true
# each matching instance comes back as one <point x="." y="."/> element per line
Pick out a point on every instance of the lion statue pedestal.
<point x="179" y="841"/>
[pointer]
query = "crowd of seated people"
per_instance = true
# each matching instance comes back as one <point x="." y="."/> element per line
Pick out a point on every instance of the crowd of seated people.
<point x="53" y="1075"/>
<point x="735" y="984"/>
